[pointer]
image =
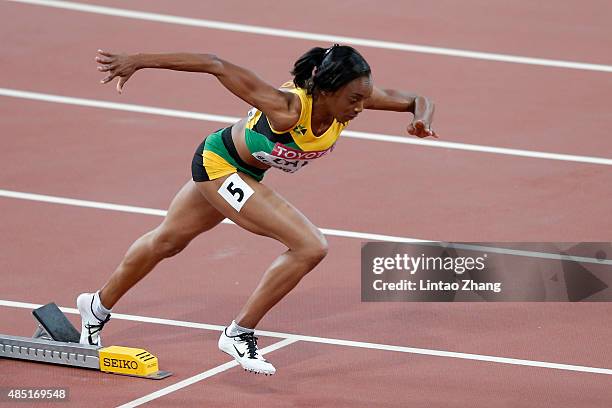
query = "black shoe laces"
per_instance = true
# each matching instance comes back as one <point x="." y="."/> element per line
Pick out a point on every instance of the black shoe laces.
<point x="251" y="341"/>
<point x="96" y="327"/>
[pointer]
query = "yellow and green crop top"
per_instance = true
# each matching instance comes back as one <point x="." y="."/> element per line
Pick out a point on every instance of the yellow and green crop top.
<point x="291" y="149"/>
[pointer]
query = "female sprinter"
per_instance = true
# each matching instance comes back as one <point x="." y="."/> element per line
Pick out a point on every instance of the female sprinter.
<point x="286" y="129"/>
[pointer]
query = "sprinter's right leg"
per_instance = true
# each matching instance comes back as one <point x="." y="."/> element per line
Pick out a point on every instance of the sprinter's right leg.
<point x="189" y="215"/>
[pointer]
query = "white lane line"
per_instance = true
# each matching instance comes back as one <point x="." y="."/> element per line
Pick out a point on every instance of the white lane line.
<point x="346" y="343"/>
<point x="479" y="148"/>
<point x="14" y="93"/>
<point x="326" y="38"/>
<point x="94" y="103"/>
<point x="199" y="377"/>
<point x="82" y="203"/>
<point x="121" y="316"/>
<point x="327" y="231"/>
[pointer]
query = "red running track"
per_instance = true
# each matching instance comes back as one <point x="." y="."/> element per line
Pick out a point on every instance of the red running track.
<point x="53" y="252"/>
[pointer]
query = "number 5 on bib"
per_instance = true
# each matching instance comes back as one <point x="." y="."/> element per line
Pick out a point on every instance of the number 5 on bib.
<point x="235" y="191"/>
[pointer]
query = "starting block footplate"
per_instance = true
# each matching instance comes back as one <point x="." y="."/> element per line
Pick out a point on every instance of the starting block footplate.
<point x="44" y="347"/>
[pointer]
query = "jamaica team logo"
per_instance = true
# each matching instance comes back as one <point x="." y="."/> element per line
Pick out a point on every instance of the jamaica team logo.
<point x="300" y="129"/>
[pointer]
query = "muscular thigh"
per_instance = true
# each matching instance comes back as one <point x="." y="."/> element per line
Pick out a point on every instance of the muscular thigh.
<point x="264" y="212"/>
<point x="190" y="214"/>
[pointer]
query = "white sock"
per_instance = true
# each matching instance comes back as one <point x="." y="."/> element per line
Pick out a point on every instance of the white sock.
<point x="98" y="308"/>
<point x="235" y="330"/>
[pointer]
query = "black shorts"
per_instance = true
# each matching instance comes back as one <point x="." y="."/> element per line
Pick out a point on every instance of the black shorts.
<point x="197" y="164"/>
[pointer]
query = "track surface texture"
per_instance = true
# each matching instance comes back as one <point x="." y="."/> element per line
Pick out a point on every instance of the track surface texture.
<point x="341" y="352"/>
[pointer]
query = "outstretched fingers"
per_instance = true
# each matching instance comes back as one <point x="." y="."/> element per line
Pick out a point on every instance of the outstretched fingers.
<point x="106" y="60"/>
<point x="105" y="53"/>
<point x="109" y="78"/>
<point x="116" y="65"/>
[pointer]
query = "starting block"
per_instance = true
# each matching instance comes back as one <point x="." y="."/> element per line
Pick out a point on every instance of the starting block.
<point x="56" y="341"/>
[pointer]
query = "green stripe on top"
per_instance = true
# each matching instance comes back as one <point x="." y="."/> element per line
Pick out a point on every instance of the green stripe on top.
<point x="214" y="143"/>
<point x="256" y="142"/>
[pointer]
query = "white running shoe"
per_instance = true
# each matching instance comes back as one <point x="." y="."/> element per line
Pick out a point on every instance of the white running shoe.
<point x="90" y="323"/>
<point x="243" y="348"/>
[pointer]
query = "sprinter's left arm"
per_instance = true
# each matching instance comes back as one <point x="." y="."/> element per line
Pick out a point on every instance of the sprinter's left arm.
<point x="399" y="101"/>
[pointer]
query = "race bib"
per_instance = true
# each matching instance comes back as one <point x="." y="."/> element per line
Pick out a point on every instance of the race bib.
<point x="288" y="159"/>
<point x="235" y="191"/>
